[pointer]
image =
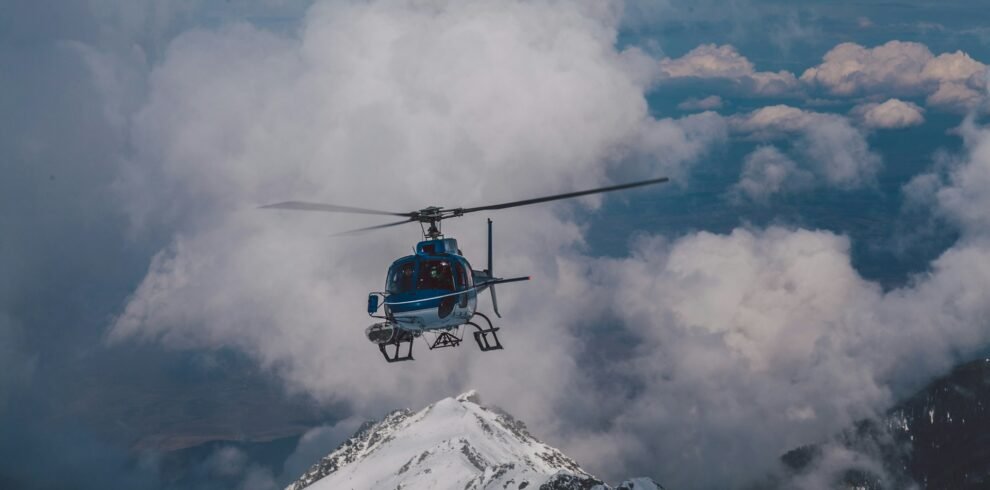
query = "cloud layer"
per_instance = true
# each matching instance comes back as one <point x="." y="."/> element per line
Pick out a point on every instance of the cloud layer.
<point x="743" y="341"/>
<point x="767" y="171"/>
<point x="709" y="103"/>
<point x="837" y="151"/>
<point x="950" y="81"/>
<point x="725" y="63"/>
<point x="390" y="105"/>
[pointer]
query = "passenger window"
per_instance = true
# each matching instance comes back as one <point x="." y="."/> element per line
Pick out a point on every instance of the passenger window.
<point x="401" y="278"/>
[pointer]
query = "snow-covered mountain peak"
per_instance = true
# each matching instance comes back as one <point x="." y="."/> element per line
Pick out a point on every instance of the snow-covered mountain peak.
<point x="453" y="443"/>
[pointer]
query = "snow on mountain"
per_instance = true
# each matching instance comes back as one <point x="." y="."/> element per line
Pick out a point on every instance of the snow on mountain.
<point x="452" y="444"/>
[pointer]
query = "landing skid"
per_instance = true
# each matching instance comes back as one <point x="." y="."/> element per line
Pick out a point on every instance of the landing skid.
<point x="487" y="338"/>
<point x="398" y="346"/>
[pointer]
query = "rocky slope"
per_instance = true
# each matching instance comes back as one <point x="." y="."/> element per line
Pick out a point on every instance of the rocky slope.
<point x="939" y="438"/>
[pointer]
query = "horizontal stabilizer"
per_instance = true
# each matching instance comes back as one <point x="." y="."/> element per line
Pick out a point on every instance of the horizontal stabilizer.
<point x="499" y="280"/>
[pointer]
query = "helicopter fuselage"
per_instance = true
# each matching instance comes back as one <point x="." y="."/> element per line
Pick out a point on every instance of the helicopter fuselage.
<point x="435" y="292"/>
<point x="434" y="289"/>
<point x="431" y="290"/>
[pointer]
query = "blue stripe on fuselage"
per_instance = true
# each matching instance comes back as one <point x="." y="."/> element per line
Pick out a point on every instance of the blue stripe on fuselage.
<point x="431" y="298"/>
<point x="410" y="305"/>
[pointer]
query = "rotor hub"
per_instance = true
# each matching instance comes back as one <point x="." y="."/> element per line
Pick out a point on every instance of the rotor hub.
<point x="430" y="220"/>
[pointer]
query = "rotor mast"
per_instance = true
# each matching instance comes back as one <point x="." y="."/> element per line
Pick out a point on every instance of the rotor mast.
<point x="430" y="221"/>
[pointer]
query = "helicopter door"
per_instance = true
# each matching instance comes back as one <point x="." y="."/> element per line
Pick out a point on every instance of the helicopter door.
<point x="437" y="275"/>
<point x="461" y="280"/>
<point x="400" y="280"/>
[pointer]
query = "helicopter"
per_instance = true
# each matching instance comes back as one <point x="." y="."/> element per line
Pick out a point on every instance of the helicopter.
<point x="434" y="292"/>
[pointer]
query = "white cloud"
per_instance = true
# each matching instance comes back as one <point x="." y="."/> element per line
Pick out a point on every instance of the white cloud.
<point x="708" y="61"/>
<point x="725" y="63"/>
<point x="774" y="331"/>
<point x="958" y="190"/>
<point x="734" y="331"/>
<point x="951" y="80"/>
<point x="767" y="171"/>
<point x="956" y="96"/>
<point x="840" y="153"/>
<point x="677" y="144"/>
<point x="892" y="114"/>
<point x="704" y="104"/>
<point x="317" y="443"/>
<point x="837" y="151"/>
<point x="762" y="325"/>
<point x="850" y="69"/>
<point x="776" y="120"/>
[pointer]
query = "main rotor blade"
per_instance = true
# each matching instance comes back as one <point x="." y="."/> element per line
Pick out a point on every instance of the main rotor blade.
<point x="330" y="208"/>
<point x="564" y="196"/>
<point x="386" y="225"/>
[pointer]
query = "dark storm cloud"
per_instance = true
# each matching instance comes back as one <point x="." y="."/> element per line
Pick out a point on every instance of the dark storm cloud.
<point x="61" y="225"/>
<point x="40" y="451"/>
<point x="62" y="235"/>
<point x="73" y="74"/>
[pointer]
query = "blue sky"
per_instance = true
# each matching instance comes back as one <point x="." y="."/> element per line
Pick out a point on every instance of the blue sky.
<point x="816" y="257"/>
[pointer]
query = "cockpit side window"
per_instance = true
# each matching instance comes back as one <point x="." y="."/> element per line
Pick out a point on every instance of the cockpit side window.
<point x="463" y="278"/>
<point x="400" y="278"/>
<point x="435" y="274"/>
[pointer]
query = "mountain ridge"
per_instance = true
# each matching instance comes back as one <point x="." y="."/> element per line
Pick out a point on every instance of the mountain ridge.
<point x="936" y="438"/>
<point x="455" y="443"/>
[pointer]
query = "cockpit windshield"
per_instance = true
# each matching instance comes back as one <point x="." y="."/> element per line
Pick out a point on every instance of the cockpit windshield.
<point x="400" y="280"/>
<point x="435" y="274"/>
